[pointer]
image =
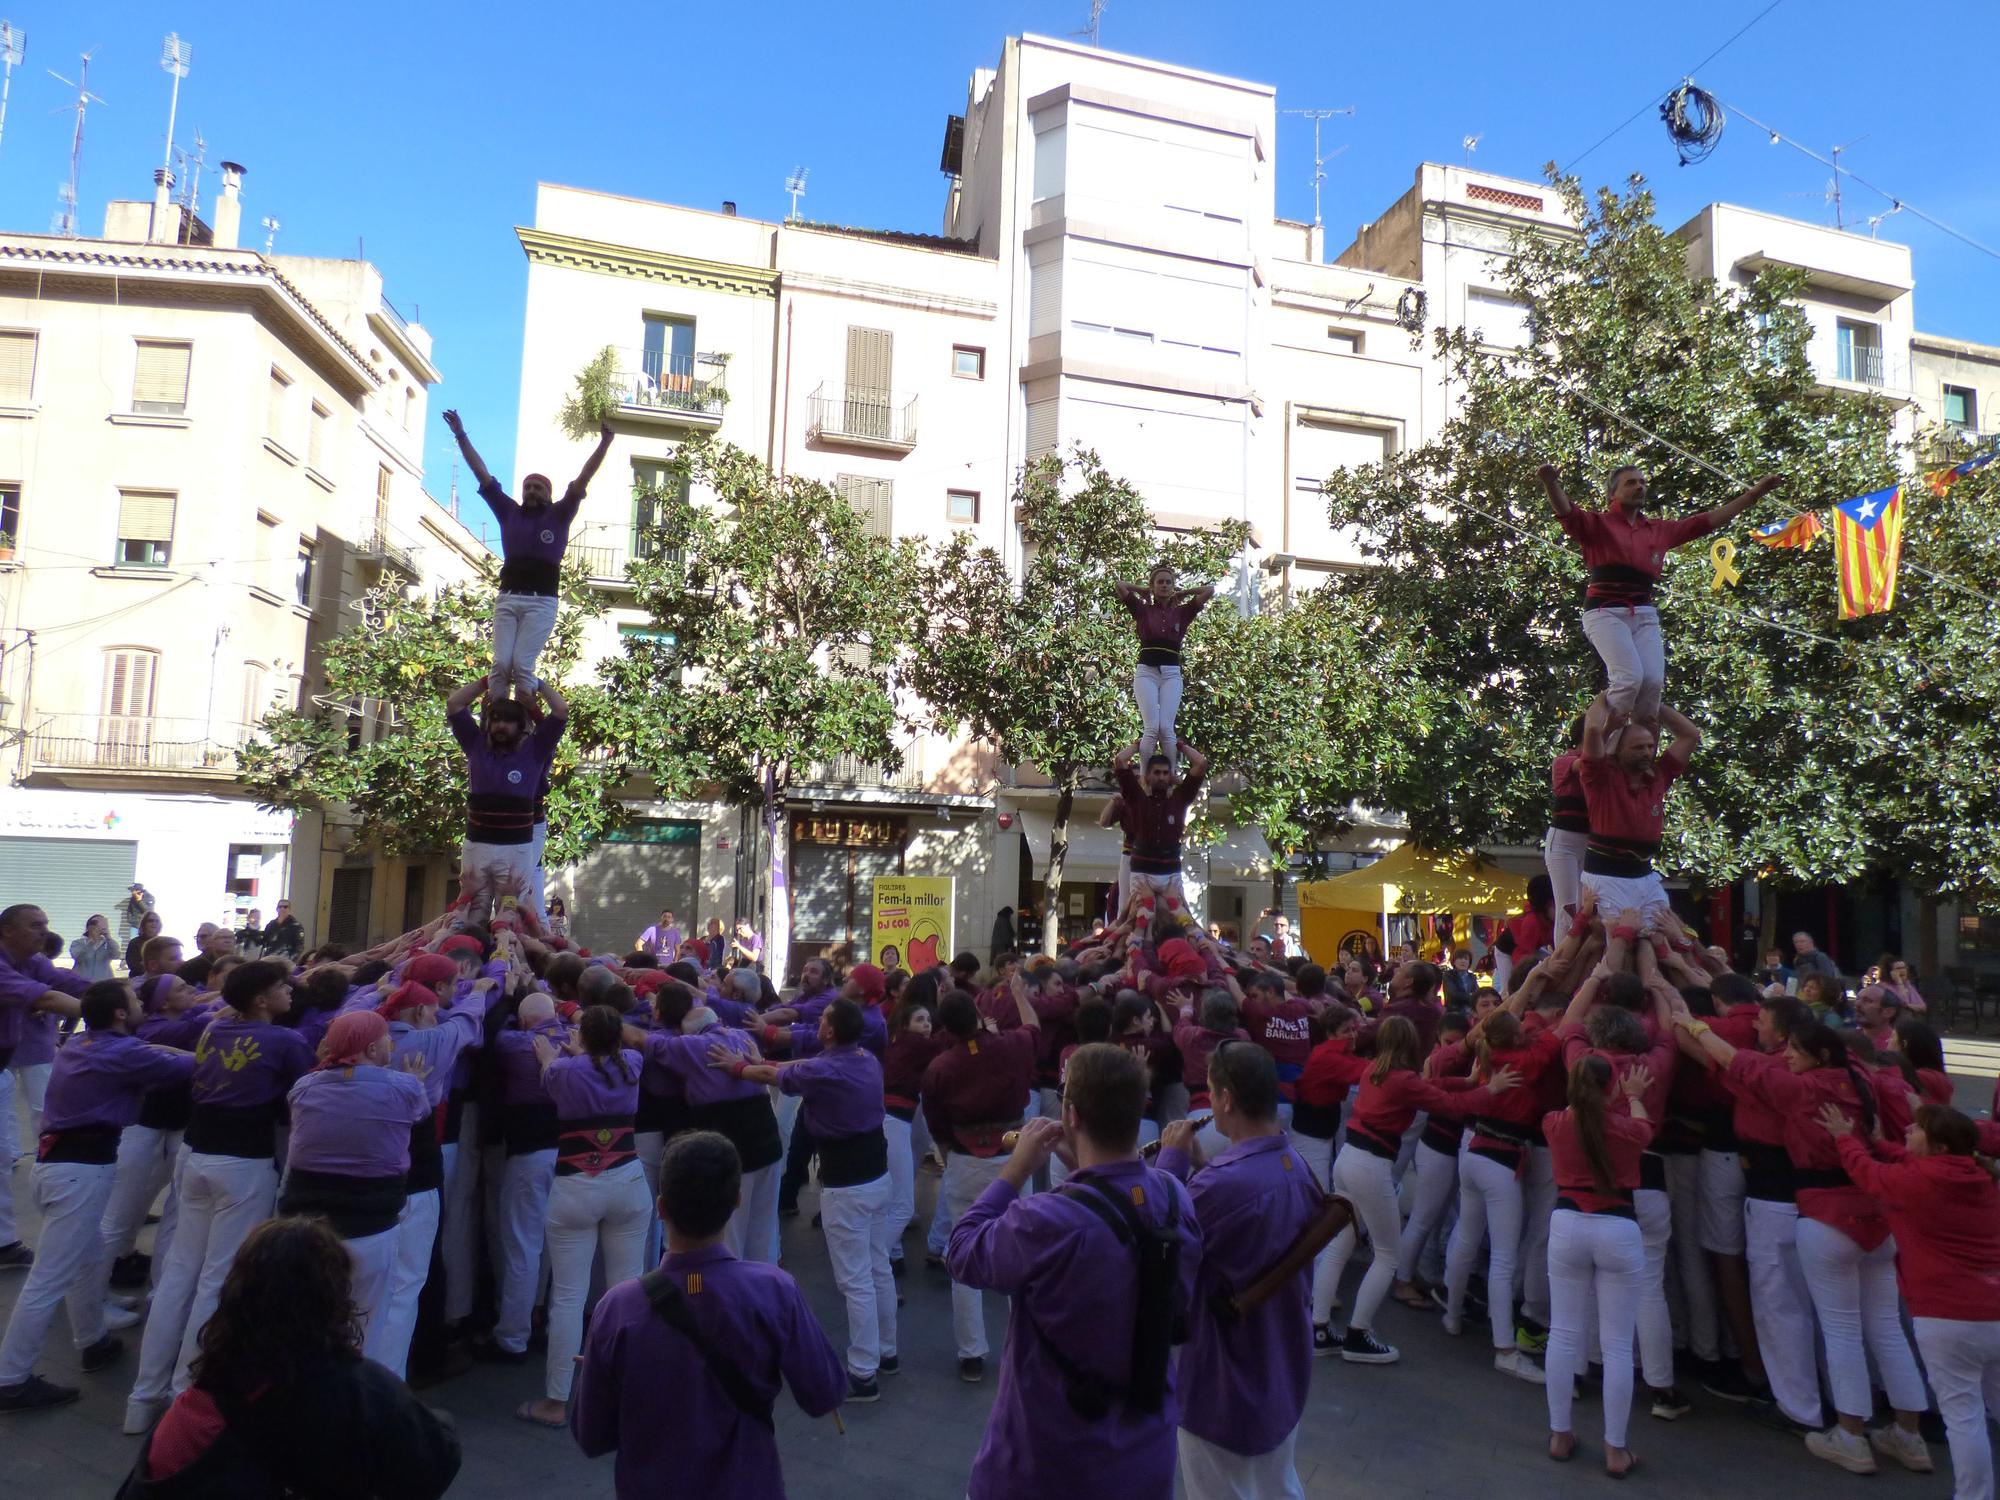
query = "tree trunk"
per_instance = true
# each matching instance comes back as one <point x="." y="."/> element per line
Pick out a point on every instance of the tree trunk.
<point x="1058" y="854"/>
<point x="778" y="905"/>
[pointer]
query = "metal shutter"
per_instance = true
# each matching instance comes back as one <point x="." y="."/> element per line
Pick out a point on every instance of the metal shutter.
<point x="17" y="368"/>
<point x="160" y="378"/>
<point x="1041" y="434"/>
<point x="617" y="892"/>
<point x="70" y="879"/>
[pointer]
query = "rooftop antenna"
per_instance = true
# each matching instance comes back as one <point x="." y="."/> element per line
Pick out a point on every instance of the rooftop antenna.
<point x="1094" y="27"/>
<point x="191" y="164"/>
<point x="13" y="43"/>
<point x="271" y="228"/>
<point x="1320" y="158"/>
<point x="796" y="186"/>
<point x="1471" y="144"/>
<point x="65" y="221"/>
<point x="1833" y="188"/>
<point x="175" y="56"/>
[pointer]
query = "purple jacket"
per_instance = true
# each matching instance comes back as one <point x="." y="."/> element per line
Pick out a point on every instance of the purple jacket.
<point x="355" y="1122"/>
<point x="239" y="1064"/>
<point x="584" y="1092"/>
<point x="100" y="1077"/>
<point x="443" y="1046"/>
<point x="1244" y="1384"/>
<point x="1065" y="1269"/>
<point x="687" y="1057"/>
<point x="842" y="1090"/>
<point x="22" y="983"/>
<point x="699" y="1443"/>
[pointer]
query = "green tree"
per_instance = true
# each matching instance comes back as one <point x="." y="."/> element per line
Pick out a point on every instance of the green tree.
<point x="778" y="619"/>
<point x="1043" y="669"/>
<point x="1830" y="746"/>
<point x="406" y="786"/>
<point x="595" y="398"/>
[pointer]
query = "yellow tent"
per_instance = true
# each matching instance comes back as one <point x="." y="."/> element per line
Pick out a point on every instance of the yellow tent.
<point x="1407" y="880"/>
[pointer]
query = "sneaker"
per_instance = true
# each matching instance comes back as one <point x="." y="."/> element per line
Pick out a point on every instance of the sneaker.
<point x="102" y="1354"/>
<point x="1726" y="1381"/>
<point x="1839" y="1446"/>
<point x="18" y="1257"/>
<point x="1361" y="1347"/>
<point x="1514" y="1362"/>
<point x="890" y="1365"/>
<point x="1530" y="1339"/>
<point x="1670" y="1405"/>
<point x="1440" y="1299"/>
<point x="488" y="1352"/>
<point x="1770" y="1414"/>
<point x="141" y="1415"/>
<point x="129" y="1272"/>
<point x="117" y="1316"/>
<point x="1453" y="1326"/>
<point x="860" y="1391"/>
<point x="36" y="1394"/>
<point x="972" y="1370"/>
<point x="1907" y="1448"/>
<point x="1324" y="1343"/>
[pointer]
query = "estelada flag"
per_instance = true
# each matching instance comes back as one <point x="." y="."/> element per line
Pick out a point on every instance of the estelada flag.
<point x="1800" y="531"/>
<point x="1867" y="541"/>
<point x="1944" y="479"/>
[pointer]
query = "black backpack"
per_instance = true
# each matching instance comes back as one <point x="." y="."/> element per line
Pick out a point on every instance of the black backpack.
<point x="1159" y="1319"/>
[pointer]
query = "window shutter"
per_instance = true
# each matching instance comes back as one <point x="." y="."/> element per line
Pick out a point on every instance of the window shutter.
<point x="872" y="497"/>
<point x="869" y="353"/>
<point x="17" y="368"/>
<point x="128" y="684"/>
<point x="160" y="380"/>
<point x="274" y="416"/>
<point x="144" y="516"/>
<point x="316" y="439"/>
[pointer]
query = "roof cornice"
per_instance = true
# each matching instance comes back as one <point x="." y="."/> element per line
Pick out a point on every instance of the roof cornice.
<point x="571" y="253"/>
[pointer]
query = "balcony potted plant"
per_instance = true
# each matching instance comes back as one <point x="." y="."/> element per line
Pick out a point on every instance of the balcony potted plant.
<point x="6" y="546"/>
<point x="596" y="396"/>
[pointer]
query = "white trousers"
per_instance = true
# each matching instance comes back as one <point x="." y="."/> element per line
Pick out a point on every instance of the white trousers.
<point x="1538" y="1202"/>
<point x="1656" y="1325"/>
<point x="752" y="1231"/>
<point x="902" y="1181"/>
<point x="389" y="1334"/>
<point x="1562" y="857"/>
<point x="1692" y="1273"/>
<point x="965" y="1178"/>
<point x="1860" y="1318"/>
<point x="856" y="1220"/>
<point x="222" y="1198"/>
<point x="373" y="1257"/>
<point x="33" y="1089"/>
<point x="1435" y="1184"/>
<point x="1631" y="900"/>
<point x="1963" y="1361"/>
<point x="458" y="1217"/>
<point x="1628" y="641"/>
<point x="651" y="1145"/>
<point x="1212" y="1473"/>
<point x="1489" y="1207"/>
<point x="1158" y="691"/>
<point x="1157" y="890"/>
<point x="609" y="1210"/>
<point x="522" y="624"/>
<point x="1317" y="1154"/>
<point x="1368" y="1182"/>
<point x="486" y="872"/>
<point x="524" y="1204"/>
<point x="71" y="1198"/>
<point x="146" y="1159"/>
<point x="1591" y="1256"/>
<point x="1781" y="1307"/>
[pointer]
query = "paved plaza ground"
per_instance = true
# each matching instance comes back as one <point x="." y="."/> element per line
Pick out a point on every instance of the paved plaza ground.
<point x="1440" y="1424"/>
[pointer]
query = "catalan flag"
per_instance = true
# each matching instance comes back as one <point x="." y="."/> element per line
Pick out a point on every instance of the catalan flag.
<point x="1800" y="531"/>
<point x="1943" y="479"/>
<point x="1867" y="541"/>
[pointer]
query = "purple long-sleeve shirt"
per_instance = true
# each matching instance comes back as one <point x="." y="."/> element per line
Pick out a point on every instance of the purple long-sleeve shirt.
<point x="38" y="1039"/>
<point x="699" y="1443"/>
<point x="23" y="981"/>
<point x="240" y="1063"/>
<point x="687" y="1058"/>
<point x="841" y="1090"/>
<point x="520" y="1070"/>
<point x="443" y="1046"/>
<point x="585" y="1090"/>
<point x="100" y="1077"/>
<point x="355" y="1122"/>
<point x="874" y="1034"/>
<point x="502" y="785"/>
<point x="531" y="541"/>
<point x="1063" y="1267"/>
<point x="1244" y="1384"/>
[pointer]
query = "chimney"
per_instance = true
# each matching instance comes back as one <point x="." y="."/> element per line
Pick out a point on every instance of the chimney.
<point x="729" y="207"/>
<point x="166" y="223"/>
<point x="228" y="207"/>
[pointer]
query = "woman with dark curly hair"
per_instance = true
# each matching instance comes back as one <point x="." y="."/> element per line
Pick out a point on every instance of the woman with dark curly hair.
<point x="281" y="1401"/>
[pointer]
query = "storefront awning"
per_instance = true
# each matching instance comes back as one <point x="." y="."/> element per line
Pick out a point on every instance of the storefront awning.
<point x="1240" y="854"/>
<point x="1093" y="851"/>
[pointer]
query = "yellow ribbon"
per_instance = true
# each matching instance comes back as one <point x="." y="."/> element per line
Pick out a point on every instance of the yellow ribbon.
<point x="1722" y="555"/>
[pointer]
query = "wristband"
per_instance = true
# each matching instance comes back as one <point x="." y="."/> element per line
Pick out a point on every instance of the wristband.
<point x="736" y="1070"/>
<point x="1697" y="1028"/>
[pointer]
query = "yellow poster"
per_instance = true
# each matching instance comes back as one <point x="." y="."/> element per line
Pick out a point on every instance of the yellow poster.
<point x="912" y="927"/>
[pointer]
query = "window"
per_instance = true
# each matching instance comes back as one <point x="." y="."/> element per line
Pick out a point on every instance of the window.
<point x="870" y="357"/>
<point x="961" y="505"/>
<point x="1499" y="321"/>
<point x="1343" y="340"/>
<point x="1961" y="406"/>
<point x="10" y="513"/>
<point x="145" y="528"/>
<point x="126" y="716"/>
<point x="17" y="368"/>
<point x="1857" y="352"/>
<point x="316" y="438"/>
<point x="302" y="577"/>
<point x="667" y="360"/>
<point x="277" y="409"/>
<point x="269" y="562"/>
<point x="654" y="488"/>
<point x="872" y="497"/>
<point x="160" y="379"/>
<point x="967" y="362"/>
<point x="256" y="695"/>
<point x="382" y="482"/>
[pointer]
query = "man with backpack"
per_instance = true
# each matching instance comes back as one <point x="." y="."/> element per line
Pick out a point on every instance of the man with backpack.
<point x="1101" y="1273"/>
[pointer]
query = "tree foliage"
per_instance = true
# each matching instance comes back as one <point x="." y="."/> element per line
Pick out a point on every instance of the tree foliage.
<point x="1831" y="747"/>
<point x="595" y="398"/>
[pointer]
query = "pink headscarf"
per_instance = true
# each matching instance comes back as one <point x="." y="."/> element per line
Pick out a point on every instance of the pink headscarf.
<point x="348" y="1039"/>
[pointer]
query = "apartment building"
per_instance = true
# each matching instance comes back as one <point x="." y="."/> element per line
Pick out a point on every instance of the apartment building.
<point x="206" y="454"/>
<point x="1957" y="387"/>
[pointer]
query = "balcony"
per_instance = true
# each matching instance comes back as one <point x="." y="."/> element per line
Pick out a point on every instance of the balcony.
<point x="120" y="743"/>
<point x="604" y="548"/>
<point x="378" y="542"/>
<point x="849" y="771"/>
<point x="1860" y="363"/>
<point x="682" y="390"/>
<point x="854" y="416"/>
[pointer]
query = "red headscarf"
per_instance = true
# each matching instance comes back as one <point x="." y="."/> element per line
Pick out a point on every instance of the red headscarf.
<point x="870" y="981"/>
<point x="429" y="969"/>
<point x="1179" y="959"/>
<point x="348" y="1039"/>
<point x="406" y="997"/>
<point x="462" y="941"/>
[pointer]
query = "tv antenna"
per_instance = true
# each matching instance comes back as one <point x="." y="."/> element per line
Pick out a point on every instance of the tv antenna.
<point x="1094" y="26"/>
<point x="13" y="43"/>
<point x="191" y="164"/>
<point x="1320" y="158"/>
<point x="65" y="221"/>
<point x="1833" y="187"/>
<point x="1471" y="144"/>
<point x="271" y="228"/>
<point x="175" y="57"/>
<point x="796" y="186"/>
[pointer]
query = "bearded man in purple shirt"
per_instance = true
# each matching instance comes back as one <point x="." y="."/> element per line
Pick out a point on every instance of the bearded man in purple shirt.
<point x="533" y="537"/>
<point x="505" y="766"/>
<point x="28" y="982"/>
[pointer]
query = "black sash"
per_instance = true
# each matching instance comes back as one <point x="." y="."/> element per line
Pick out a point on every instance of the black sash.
<point x="249" y="1131"/>
<point x="750" y="1126"/>
<point x="426" y="1156"/>
<point x="530" y="1127"/>
<point x="499" y="818"/>
<point x="849" y="1160"/>
<point x="87" y="1145"/>
<point x="353" y="1207"/>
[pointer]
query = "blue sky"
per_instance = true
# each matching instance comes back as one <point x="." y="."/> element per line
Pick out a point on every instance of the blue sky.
<point x="419" y="130"/>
